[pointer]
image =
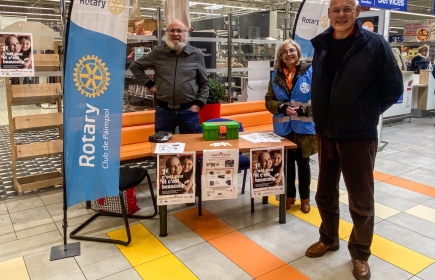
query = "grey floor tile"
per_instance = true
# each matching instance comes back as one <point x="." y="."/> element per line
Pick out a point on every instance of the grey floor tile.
<point x="430" y="203"/>
<point x="345" y="214"/>
<point x="407" y="238"/>
<point x="338" y="266"/>
<point x="411" y="159"/>
<point x="403" y="146"/>
<point x="32" y="222"/>
<point x="40" y="267"/>
<point x="7" y="232"/>
<point x="414" y="223"/>
<point x="391" y="167"/>
<point x="386" y="151"/>
<point x="94" y="266"/>
<point x="430" y="167"/>
<point x="415" y="278"/>
<point x="30" y="245"/>
<point x="56" y="211"/>
<point x="21" y="204"/>
<point x="226" y="209"/>
<point x="393" y="201"/>
<point x="72" y="222"/>
<point x="179" y="235"/>
<point x="129" y="274"/>
<point x="421" y="175"/>
<point x="3" y="208"/>
<point x="287" y="241"/>
<point x="422" y="151"/>
<point x="52" y="197"/>
<point x="428" y="273"/>
<point x="401" y="193"/>
<point x="218" y="266"/>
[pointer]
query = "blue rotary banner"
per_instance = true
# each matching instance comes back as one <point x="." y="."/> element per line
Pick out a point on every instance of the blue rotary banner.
<point x="311" y="20"/>
<point x="93" y="95"/>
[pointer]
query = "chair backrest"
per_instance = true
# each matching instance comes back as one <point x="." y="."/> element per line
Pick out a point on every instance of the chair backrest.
<point x="226" y="120"/>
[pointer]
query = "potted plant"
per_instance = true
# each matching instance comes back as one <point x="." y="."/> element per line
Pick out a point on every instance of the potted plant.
<point x="212" y="109"/>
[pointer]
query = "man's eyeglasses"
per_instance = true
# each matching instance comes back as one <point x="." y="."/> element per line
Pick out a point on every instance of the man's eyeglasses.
<point x="172" y="30"/>
<point x="289" y="51"/>
<point x="346" y="10"/>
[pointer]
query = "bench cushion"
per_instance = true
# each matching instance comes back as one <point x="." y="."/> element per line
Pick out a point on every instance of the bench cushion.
<point x="136" y="134"/>
<point x="137" y="118"/>
<point x="242" y="108"/>
<point x="135" y="151"/>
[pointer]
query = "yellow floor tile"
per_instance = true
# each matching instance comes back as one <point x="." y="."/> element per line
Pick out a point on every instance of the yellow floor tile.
<point x="167" y="267"/>
<point x="399" y="255"/>
<point x="423" y="212"/>
<point x="144" y="247"/>
<point x="13" y="270"/>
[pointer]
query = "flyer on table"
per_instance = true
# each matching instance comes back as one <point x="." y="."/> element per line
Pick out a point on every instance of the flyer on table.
<point x="176" y="178"/>
<point x="267" y="175"/>
<point x="16" y="55"/>
<point x="219" y="174"/>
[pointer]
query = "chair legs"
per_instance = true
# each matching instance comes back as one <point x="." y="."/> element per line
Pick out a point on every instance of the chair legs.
<point x="244" y="181"/>
<point x="124" y="215"/>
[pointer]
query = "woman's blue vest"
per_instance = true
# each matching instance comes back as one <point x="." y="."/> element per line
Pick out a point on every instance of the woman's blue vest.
<point x="283" y="125"/>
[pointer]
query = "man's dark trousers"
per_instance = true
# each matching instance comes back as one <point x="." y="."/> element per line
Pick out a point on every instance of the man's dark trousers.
<point x="355" y="159"/>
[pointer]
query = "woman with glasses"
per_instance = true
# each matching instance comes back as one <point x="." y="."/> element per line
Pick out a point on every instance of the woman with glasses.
<point x="288" y="98"/>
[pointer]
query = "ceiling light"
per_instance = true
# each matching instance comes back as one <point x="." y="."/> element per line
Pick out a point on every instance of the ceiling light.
<point x="24" y="7"/>
<point x="396" y="27"/>
<point x="214" y="7"/>
<point x="36" y="14"/>
<point x="207" y="14"/>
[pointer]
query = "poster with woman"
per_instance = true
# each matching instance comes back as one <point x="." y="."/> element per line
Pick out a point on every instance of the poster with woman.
<point x="16" y="55"/>
<point x="267" y="174"/>
<point x="219" y="174"/>
<point x="176" y="178"/>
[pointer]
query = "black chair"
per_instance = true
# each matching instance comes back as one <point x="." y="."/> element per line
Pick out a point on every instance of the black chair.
<point x="129" y="177"/>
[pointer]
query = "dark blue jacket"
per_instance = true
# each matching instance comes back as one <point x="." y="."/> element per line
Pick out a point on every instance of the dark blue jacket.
<point x="368" y="82"/>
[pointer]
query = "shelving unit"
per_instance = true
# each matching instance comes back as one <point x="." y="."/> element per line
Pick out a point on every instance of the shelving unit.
<point x="18" y="95"/>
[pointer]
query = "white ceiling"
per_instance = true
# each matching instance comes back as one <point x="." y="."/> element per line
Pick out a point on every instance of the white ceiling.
<point x="49" y="10"/>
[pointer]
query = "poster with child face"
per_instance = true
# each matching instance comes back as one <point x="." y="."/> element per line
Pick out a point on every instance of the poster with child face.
<point x="16" y="59"/>
<point x="267" y="175"/>
<point x="176" y="178"/>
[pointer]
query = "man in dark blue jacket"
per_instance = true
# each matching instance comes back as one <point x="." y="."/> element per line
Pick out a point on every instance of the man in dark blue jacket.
<point x="355" y="79"/>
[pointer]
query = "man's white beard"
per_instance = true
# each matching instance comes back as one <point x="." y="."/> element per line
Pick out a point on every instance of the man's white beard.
<point x="178" y="47"/>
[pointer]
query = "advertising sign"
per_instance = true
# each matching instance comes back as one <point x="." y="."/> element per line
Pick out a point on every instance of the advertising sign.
<point x="93" y="97"/>
<point x="176" y="178"/>
<point x="219" y="174"/>
<point x="311" y="20"/>
<point x="400" y="5"/>
<point x="419" y="31"/>
<point x="267" y="176"/>
<point x="16" y="55"/>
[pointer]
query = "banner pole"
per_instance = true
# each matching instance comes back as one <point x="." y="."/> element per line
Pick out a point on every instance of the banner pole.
<point x="66" y="250"/>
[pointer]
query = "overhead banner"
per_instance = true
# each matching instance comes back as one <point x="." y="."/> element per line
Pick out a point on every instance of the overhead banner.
<point x="419" y="31"/>
<point x="16" y="59"/>
<point x="311" y="20"/>
<point x="400" y="5"/>
<point x="93" y="94"/>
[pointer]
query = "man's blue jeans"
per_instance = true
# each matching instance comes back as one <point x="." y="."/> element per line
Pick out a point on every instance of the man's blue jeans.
<point x="168" y="119"/>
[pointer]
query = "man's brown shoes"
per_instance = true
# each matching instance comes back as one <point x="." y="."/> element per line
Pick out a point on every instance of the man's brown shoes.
<point x="361" y="270"/>
<point x="289" y="202"/>
<point x="305" y="205"/>
<point x="318" y="249"/>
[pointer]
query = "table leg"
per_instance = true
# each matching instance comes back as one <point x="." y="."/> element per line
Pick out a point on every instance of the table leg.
<point x="163" y="212"/>
<point x="198" y="187"/>
<point x="282" y="212"/>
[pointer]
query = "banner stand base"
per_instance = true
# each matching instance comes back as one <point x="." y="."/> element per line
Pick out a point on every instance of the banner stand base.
<point x="65" y="251"/>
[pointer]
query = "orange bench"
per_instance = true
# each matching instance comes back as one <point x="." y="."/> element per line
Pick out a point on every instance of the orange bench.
<point x="138" y="126"/>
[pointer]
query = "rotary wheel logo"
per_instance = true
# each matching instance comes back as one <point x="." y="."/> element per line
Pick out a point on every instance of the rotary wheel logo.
<point x="91" y="76"/>
<point x="305" y="88"/>
<point x="324" y="21"/>
<point x="116" y="6"/>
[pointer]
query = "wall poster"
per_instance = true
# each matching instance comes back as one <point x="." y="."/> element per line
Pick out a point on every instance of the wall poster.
<point x="16" y="55"/>
<point x="219" y="174"/>
<point x="267" y="175"/>
<point x="176" y="178"/>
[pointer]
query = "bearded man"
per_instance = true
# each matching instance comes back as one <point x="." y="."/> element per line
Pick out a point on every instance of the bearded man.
<point x="180" y="81"/>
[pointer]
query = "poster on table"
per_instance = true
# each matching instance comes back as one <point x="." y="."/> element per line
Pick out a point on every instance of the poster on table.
<point x="311" y="20"/>
<point x="267" y="174"/>
<point x="93" y="98"/>
<point x="176" y="178"/>
<point x="16" y="55"/>
<point x="219" y="174"/>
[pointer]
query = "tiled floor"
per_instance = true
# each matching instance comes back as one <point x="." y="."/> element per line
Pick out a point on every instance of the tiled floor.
<point x="229" y="242"/>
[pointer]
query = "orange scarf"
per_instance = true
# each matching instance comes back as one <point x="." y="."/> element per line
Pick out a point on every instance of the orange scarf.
<point x="289" y="77"/>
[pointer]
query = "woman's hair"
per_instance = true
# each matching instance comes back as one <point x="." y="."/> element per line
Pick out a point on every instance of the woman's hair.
<point x="8" y="39"/>
<point x="182" y="158"/>
<point x="23" y="37"/>
<point x="279" y="64"/>
<point x="168" y="161"/>
<point x="422" y="48"/>
<point x="272" y="153"/>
